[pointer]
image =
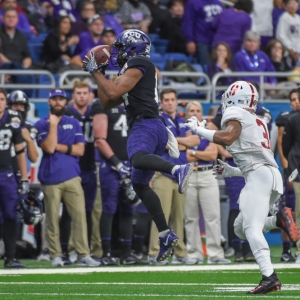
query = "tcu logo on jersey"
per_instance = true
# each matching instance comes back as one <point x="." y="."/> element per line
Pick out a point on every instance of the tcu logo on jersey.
<point x="67" y="126"/>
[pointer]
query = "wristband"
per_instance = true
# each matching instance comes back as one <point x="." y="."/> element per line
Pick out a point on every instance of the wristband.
<point x="69" y="151"/>
<point x="114" y="161"/>
<point x="206" y="133"/>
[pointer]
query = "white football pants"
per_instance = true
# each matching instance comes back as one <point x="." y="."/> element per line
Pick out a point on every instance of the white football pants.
<point x="263" y="187"/>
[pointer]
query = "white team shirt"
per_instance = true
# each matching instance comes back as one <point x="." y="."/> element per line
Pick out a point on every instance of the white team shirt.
<point x="252" y="148"/>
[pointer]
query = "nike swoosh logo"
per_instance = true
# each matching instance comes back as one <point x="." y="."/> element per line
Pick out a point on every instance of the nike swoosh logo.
<point x="166" y="243"/>
<point x="6" y="125"/>
<point x="9" y="175"/>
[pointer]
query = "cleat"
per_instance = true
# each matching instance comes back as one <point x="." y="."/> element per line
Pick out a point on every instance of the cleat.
<point x="153" y="261"/>
<point x="182" y="175"/>
<point x="44" y="256"/>
<point x="166" y="244"/>
<point x="108" y="260"/>
<point x="267" y="285"/>
<point x="220" y="261"/>
<point x="238" y="257"/>
<point x="286" y="222"/>
<point x="88" y="261"/>
<point x="287" y="257"/>
<point x="13" y="264"/>
<point x="249" y="257"/>
<point x="132" y="259"/>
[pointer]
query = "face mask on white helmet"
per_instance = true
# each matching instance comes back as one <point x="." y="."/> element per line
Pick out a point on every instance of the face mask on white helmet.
<point x="240" y="94"/>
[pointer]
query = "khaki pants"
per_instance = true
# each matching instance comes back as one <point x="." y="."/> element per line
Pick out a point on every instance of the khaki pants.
<point x="296" y="186"/>
<point x="203" y="190"/>
<point x="72" y="193"/>
<point x="172" y="203"/>
<point x="96" y="246"/>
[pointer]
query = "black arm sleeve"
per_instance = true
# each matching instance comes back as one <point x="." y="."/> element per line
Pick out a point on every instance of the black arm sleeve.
<point x="287" y="139"/>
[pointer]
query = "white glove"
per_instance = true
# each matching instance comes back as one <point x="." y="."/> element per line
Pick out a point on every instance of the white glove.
<point x="223" y="170"/>
<point x="193" y="123"/>
<point x="172" y="144"/>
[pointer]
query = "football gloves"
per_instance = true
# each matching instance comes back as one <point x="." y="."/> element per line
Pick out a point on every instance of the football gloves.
<point x="193" y="123"/>
<point x="123" y="170"/>
<point x="224" y="170"/>
<point x="23" y="186"/>
<point x="90" y="65"/>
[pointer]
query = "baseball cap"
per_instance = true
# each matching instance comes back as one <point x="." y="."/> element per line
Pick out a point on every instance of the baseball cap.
<point x="57" y="92"/>
<point x="94" y="18"/>
<point x="107" y="30"/>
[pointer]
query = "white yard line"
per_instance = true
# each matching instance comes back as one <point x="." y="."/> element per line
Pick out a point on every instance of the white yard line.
<point x="143" y="269"/>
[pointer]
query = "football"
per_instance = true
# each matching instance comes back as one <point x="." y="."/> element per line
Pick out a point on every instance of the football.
<point x="101" y="53"/>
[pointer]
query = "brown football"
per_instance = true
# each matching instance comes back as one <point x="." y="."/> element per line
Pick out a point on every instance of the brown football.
<point x="101" y="53"/>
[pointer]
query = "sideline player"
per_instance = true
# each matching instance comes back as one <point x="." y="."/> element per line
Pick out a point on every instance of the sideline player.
<point x="136" y="86"/>
<point x="10" y="134"/>
<point x="246" y="138"/>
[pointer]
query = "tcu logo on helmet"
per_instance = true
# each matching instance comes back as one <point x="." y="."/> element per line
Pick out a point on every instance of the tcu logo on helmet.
<point x="132" y="34"/>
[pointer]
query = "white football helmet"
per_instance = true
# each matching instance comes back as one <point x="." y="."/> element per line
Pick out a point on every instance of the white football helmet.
<point x="242" y="94"/>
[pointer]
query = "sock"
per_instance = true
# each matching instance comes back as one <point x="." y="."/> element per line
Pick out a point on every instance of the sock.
<point x="232" y="237"/>
<point x="89" y="223"/>
<point x="163" y="233"/>
<point x="263" y="259"/>
<point x="10" y="238"/>
<point x="174" y="169"/>
<point x="65" y="230"/>
<point x="105" y="232"/>
<point x="152" y="204"/>
<point x="139" y="241"/>
<point x="126" y="247"/>
<point x="143" y="160"/>
<point x="270" y="224"/>
<point x="141" y="230"/>
<point x="286" y="245"/>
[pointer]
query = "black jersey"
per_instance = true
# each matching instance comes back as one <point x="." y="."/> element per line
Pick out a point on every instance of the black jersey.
<point x="117" y="131"/>
<point x="283" y="117"/>
<point x="33" y="132"/>
<point x="142" y="100"/>
<point x="10" y="133"/>
<point x="87" y="161"/>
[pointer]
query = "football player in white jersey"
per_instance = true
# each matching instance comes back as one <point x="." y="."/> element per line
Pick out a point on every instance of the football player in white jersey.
<point x="246" y="138"/>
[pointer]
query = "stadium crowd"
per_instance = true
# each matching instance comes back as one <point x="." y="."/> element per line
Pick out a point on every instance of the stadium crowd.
<point x="93" y="216"/>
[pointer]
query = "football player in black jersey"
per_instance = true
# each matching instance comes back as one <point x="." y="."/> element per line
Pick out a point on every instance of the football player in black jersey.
<point x="80" y="109"/>
<point x="289" y="194"/>
<point x="136" y="86"/>
<point x="18" y="101"/>
<point x="11" y="134"/>
<point x="111" y="134"/>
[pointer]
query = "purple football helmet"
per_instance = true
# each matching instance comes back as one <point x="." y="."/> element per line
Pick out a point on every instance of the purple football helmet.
<point x="130" y="43"/>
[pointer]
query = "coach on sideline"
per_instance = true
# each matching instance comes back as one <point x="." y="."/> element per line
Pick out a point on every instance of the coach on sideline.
<point x="291" y="151"/>
<point x="62" y="142"/>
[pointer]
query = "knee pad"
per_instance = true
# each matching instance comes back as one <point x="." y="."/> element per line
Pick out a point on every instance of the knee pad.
<point x="238" y="229"/>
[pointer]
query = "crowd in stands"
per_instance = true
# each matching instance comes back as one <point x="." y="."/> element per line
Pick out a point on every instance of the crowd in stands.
<point x="213" y="37"/>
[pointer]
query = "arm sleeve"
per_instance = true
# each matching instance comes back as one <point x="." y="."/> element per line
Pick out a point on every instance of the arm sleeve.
<point x="189" y="17"/>
<point x="96" y="108"/>
<point x="138" y="63"/>
<point x="79" y="138"/>
<point x="17" y="136"/>
<point x="287" y="139"/>
<point x="281" y="119"/>
<point x="42" y="131"/>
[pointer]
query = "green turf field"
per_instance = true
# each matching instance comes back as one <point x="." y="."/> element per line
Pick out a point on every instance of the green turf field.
<point x="151" y="282"/>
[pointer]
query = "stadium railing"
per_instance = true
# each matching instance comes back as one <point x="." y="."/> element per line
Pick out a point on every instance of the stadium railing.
<point x="202" y="91"/>
<point x="280" y="93"/>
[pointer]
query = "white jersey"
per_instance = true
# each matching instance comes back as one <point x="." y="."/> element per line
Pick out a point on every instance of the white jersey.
<point x="252" y="148"/>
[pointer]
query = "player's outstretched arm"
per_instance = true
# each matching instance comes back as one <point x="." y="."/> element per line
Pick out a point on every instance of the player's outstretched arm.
<point x="229" y="134"/>
<point x="110" y="93"/>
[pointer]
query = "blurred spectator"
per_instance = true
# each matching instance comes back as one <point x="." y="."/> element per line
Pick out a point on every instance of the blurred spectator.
<point x="167" y="190"/>
<point x="159" y="15"/>
<point x="203" y="191"/>
<point x="63" y="8"/>
<point x="39" y="15"/>
<point x="278" y="10"/>
<point x="196" y="26"/>
<point x="14" y="48"/>
<point x="231" y="24"/>
<point x="135" y="14"/>
<point x="88" y="39"/>
<point x="288" y="30"/>
<point x="275" y="51"/>
<point x="262" y="20"/>
<point x="171" y="27"/>
<point x="87" y="11"/>
<point x="251" y="59"/>
<point x="23" y="24"/>
<point x="221" y="59"/>
<point x="57" y="48"/>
